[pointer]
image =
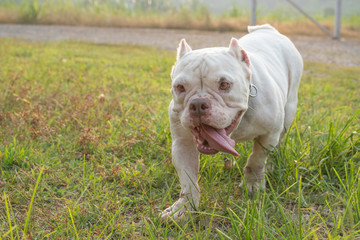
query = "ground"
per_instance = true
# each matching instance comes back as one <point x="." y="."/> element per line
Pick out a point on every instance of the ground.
<point x="313" y="49"/>
<point x="85" y="148"/>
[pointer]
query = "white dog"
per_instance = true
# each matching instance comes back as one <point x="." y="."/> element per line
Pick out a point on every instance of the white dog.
<point x="247" y="91"/>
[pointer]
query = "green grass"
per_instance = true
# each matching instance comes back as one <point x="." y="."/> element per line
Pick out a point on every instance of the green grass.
<point x="85" y="152"/>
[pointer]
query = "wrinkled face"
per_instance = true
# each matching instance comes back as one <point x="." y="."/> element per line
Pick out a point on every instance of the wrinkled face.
<point x="210" y="90"/>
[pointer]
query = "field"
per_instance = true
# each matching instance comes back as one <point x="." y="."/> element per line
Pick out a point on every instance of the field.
<point x="85" y="152"/>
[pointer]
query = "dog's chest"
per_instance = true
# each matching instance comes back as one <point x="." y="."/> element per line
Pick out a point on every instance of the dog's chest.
<point x="250" y="127"/>
<point x="244" y="132"/>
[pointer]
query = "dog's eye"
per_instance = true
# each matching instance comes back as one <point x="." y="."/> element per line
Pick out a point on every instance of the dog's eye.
<point x="224" y="85"/>
<point x="180" y="88"/>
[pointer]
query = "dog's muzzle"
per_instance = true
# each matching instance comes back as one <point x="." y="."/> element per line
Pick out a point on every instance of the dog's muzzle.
<point x="199" y="107"/>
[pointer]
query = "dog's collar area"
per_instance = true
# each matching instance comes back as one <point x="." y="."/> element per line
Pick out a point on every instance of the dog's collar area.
<point x="253" y="90"/>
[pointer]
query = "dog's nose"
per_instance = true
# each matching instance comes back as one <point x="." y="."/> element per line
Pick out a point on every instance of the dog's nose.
<point x="199" y="107"/>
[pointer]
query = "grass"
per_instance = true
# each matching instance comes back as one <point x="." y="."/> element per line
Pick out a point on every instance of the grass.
<point x="164" y="14"/>
<point x="85" y="152"/>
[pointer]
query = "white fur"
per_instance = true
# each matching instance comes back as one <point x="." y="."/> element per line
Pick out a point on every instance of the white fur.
<point x="275" y="69"/>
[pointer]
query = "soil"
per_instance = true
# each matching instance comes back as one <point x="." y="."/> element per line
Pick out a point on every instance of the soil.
<point x="345" y="52"/>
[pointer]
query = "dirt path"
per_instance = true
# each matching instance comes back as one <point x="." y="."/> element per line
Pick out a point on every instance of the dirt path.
<point x="317" y="49"/>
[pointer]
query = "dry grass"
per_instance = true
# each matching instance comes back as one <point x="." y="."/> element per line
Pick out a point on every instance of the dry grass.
<point x="306" y="27"/>
<point x="182" y="19"/>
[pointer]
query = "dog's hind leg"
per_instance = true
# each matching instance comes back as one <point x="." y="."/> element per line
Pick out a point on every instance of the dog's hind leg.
<point x="290" y="111"/>
<point x="295" y="71"/>
<point x="255" y="169"/>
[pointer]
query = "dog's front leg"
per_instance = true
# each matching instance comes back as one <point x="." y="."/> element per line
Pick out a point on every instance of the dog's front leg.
<point x="185" y="158"/>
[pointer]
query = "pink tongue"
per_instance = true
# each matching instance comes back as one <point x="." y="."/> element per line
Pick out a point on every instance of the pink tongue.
<point x="218" y="139"/>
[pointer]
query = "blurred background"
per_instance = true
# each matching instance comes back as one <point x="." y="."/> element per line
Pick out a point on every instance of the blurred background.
<point x="224" y="15"/>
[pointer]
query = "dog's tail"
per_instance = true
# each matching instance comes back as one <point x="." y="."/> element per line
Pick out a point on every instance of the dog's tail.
<point x="257" y="27"/>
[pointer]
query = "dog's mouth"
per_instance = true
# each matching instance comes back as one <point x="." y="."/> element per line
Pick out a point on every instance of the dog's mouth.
<point x="210" y="140"/>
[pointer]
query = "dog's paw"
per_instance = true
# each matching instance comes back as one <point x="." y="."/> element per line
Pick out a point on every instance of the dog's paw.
<point x="177" y="212"/>
<point x="254" y="180"/>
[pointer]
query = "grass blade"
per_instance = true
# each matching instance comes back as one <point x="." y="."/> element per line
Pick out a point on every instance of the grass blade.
<point x="72" y="221"/>
<point x="211" y="220"/>
<point x="299" y="209"/>
<point x="31" y="204"/>
<point x="287" y="223"/>
<point x="9" y="217"/>
<point x="103" y="231"/>
<point x="222" y="234"/>
<point x="14" y="219"/>
<point x="7" y="233"/>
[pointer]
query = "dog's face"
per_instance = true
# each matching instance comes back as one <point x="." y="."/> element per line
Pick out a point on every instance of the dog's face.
<point x="210" y="89"/>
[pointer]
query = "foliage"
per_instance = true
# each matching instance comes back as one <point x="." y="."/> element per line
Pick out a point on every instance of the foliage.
<point x="189" y="14"/>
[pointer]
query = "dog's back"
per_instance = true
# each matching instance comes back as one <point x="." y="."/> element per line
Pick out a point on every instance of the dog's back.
<point x="269" y="49"/>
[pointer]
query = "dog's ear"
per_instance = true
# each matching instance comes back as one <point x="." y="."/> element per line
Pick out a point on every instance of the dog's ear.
<point x="183" y="49"/>
<point x="238" y="52"/>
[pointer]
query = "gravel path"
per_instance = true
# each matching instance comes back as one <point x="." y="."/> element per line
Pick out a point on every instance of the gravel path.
<point x="316" y="49"/>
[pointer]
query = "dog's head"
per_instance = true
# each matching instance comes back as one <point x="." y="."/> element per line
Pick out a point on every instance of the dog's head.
<point x="210" y="89"/>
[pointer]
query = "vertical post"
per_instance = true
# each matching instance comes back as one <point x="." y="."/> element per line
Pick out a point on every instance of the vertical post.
<point x="253" y="13"/>
<point x="337" y="24"/>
